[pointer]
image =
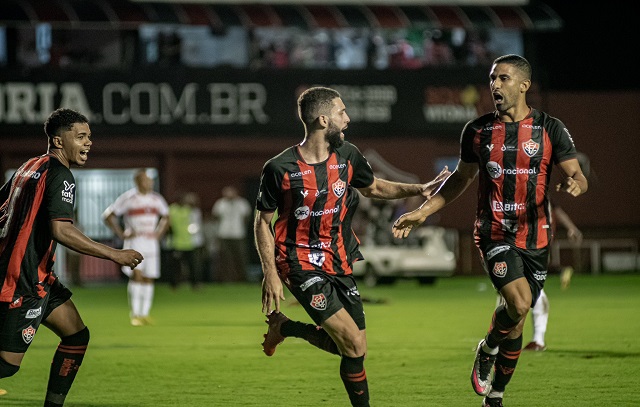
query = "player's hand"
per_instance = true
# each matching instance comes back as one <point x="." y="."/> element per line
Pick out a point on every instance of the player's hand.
<point x="570" y="186"/>
<point x="272" y="293"/>
<point x="431" y="187"/>
<point x="405" y="223"/>
<point x="575" y="236"/>
<point x="128" y="257"/>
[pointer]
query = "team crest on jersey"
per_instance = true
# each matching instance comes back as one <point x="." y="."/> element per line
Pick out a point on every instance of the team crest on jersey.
<point x="28" y="334"/>
<point x="339" y="187"/>
<point x="319" y="302"/>
<point x="500" y="269"/>
<point x="316" y="258"/>
<point x="530" y="147"/>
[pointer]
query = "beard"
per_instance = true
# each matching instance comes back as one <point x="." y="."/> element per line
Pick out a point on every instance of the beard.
<point x="333" y="136"/>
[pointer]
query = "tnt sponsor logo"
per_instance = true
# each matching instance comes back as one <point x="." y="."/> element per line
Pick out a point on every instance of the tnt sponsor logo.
<point x="339" y="187"/>
<point x="299" y="174"/>
<point x="310" y="282"/>
<point x="316" y="259"/>
<point x="496" y="250"/>
<point x="337" y="166"/>
<point x="500" y="269"/>
<point x="34" y="313"/>
<point x="494" y="169"/>
<point x="319" y="302"/>
<point x="530" y="147"/>
<point x="302" y="212"/>
<point x="67" y="194"/>
<point x="28" y="334"/>
<point x="498" y="206"/>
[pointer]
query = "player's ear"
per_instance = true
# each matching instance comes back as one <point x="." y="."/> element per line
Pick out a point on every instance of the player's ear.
<point x="323" y="121"/>
<point x="525" y="85"/>
<point x="56" y="141"/>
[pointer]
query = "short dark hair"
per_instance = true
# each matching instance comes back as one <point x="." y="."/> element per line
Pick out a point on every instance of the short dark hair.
<point x="62" y="119"/>
<point x="516" y="60"/>
<point x="314" y="102"/>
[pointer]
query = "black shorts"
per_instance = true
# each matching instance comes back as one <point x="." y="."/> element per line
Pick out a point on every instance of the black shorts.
<point x="20" y="319"/>
<point x="504" y="263"/>
<point x="322" y="295"/>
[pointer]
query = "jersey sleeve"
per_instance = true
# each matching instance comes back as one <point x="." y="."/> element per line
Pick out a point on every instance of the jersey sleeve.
<point x="270" y="183"/>
<point x="467" y="154"/>
<point x="362" y="171"/>
<point x="60" y="194"/>
<point x="561" y="141"/>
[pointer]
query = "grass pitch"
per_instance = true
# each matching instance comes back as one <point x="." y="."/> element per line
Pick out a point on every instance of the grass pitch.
<point x="204" y="349"/>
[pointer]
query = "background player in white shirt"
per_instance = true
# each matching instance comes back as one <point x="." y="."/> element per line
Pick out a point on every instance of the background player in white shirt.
<point x="145" y="215"/>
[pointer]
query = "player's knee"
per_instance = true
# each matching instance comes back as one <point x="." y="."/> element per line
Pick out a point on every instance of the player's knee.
<point x="79" y="338"/>
<point x="7" y="369"/>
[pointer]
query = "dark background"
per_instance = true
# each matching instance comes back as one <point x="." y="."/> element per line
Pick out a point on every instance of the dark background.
<point x="595" y="50"/>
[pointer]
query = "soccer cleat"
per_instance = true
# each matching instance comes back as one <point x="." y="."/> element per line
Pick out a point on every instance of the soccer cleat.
<point x="135" y="321"/>
<point x="3" y="392"/>
<point x="534" y="346"/>
<point x="565" y="277"/>
<point x="273" y="337"/>
<point x="488" y="402"/>
<point x="481" y="373"/>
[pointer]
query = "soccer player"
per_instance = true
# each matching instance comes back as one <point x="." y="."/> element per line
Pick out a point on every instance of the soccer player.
<point x="145" y="215"/>
<point x="514" y="149"/>
<point x="36" y="213"/>
<point x="311" y="248"/>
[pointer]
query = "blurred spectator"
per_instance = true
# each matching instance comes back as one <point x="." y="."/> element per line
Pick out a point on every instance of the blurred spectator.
<point x="233" y="213"/>
<point x="187" y="240"/>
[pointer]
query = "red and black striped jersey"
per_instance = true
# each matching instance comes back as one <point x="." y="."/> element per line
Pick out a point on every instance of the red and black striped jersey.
<point x="315" y="205"/>
<point x="515" y="162"/>
<point x="40" y="191"/>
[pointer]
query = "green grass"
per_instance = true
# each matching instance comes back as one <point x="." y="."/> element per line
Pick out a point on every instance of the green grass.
<point x="204" y="350"/>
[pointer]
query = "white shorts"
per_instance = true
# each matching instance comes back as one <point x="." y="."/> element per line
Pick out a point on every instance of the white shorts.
<point x="150" y="250"/>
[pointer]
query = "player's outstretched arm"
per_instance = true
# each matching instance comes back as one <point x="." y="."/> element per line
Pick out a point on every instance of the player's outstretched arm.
<point x="272" y="291"/>
<point x="65" y="233"/>
<point x="456" y="183"/>
<point x="574" y="182"/>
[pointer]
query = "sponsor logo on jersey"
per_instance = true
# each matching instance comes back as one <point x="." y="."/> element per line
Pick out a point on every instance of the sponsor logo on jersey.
<point x="316" y="258"/>
<point x="16" y="304"/>
<point x="508" y="148"/>
<point x="67" y="194"/>
<point x="498" y="206"/>
<point x="353" y="291"/>
<point x="321" y="192"/>
<point x="299" y="174"/>
<point x="500" y="269"/>
<point x="319" y="302"/>
<point x="531" y="126"/>
<point x="568" y="135"/>
<point x="490" y="147"/>
<point x="34" y="313"/>
<point x="29" y="174"/>
<point x="304" y="193"/>
<point x="494" y="169"/>
<point x="339" y="187"/>
<point x="302" y="212"/>
<point x="509" y="225"/>
<point x="337" y="166"/>
<point x="310" y="282"/>
<point x="540" y="275"/>
<point x="530" y="147"/>
<point x="28" y="334"/>
<point x="517" y="171"/>
<point x="496" y="250"/>
<point x="495" y="127"/>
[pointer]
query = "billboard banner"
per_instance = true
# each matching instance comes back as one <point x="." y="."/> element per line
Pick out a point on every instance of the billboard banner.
<point x="228" y="102"/>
